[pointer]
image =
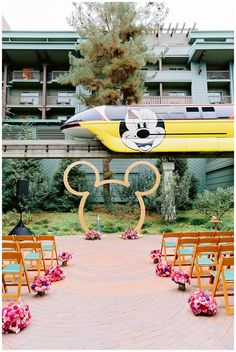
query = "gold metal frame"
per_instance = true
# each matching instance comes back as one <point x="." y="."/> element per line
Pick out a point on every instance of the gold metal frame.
<point x="99" y="183"/>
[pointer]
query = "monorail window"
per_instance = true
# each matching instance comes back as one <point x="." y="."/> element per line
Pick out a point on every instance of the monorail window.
<point x="115" y="113"/>
<point x="208" y="108"/>
<point x="192" y="109"/>
<point x="87" y="115"/>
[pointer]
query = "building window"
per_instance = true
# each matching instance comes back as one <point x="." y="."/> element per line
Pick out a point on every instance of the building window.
<point x="215" y="97"/>
<point x="29" y="98"/>
<point x="65" y="98"/>
<point x="176" y="68"/>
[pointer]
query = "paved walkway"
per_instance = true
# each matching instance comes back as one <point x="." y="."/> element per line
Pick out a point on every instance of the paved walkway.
<point x="111" y="298"/>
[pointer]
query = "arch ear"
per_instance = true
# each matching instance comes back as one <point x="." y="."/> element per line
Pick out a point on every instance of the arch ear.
<point x="160" y="123"/>
<point x="67" y="171"/>
<point x="151" y="166"/>
<point x="123" y="128"/>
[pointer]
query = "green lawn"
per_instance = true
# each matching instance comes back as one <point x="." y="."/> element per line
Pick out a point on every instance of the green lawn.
<point x="114" y="221"/>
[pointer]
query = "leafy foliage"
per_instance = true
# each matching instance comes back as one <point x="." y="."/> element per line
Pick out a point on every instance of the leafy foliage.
<point x="25" y="169"/>
<point x="59" y="198"/>
<point x="113" y="51"/>
<point x="215" y="203"/>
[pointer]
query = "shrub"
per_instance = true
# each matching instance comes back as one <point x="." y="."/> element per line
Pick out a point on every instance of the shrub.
<point x="182" y="219"/>
<point x="166" y="229"/>
<point x="42" y="222"/>
<point x="197" y="221"/>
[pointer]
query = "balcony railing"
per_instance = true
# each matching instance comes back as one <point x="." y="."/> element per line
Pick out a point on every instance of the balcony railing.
<point x="25" y="75"/>
<point x="225" y="99"/>
<point x="24" y="101"/>
<point x="61" y="101"/>
<point x="218" y="75"/>
<point x="54" y="75"/>
<point x="166" y="100"/>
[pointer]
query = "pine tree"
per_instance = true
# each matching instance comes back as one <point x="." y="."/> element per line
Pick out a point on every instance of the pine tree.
<point x="112" y="49"/>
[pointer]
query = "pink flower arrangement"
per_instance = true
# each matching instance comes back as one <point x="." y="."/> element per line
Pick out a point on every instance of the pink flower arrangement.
<point x="201" y="303"/>
<point x="64" y="256"/>
<point x="15" y="317"/>
<point x="130" y="235"/>
<point x="180" y="277"/>
<point x="156" y="255"/>
<point x="93" y="235"/>
<point x="41" y="284"/>
<point x="163" y="269"/>
<point x="55" y="273"/>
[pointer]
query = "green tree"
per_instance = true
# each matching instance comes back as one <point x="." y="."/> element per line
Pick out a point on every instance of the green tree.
<point x="112" y="49"/>
<point x="215" y="203"/>
<point x="59" y="198"/>
<point x="24" y="169"/>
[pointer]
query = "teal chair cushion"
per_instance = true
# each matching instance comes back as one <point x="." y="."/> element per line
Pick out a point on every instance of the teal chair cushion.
<point x="12" y="268"/>
<point x="32" y="256"/>
<point x="229" y="274"/>
<point x="186" y="251"/>
<point x="205" y="261"/>
<point x="47" y="247"/>
<point x="170" y="244"/>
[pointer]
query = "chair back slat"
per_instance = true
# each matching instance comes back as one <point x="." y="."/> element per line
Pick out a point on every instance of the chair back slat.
<point x="213" y="240"/>
<point x="9" y="238"/>
<point x="225" y="239"/>
<point x="10" y="245"/>
<point x="25" y="238"/>
<point x="30" y="245"/>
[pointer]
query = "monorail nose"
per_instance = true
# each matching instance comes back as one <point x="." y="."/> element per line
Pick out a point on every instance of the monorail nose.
<point x="143" y="133"/>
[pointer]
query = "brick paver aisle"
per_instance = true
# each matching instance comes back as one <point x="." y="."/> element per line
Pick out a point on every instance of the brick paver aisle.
<point x="111" y="298"/>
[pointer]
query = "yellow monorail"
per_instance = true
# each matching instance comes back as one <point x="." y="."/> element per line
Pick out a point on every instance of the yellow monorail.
<point x="157" y="128"/>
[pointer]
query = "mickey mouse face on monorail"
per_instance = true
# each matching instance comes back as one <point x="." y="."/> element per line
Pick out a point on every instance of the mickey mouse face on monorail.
<point x="142" y="130"/>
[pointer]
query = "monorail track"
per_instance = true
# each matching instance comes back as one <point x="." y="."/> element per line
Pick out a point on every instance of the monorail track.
<point x="86" y="149"/>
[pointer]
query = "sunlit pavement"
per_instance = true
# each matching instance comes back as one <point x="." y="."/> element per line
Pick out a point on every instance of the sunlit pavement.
<point x="111" y="298"/>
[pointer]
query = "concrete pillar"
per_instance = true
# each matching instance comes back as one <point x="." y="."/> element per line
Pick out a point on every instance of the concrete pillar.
<point x="231" y="72"/>
<point x="44" y="92"/>
<point x="168" y="204"/>
<point x="4" y="96"/>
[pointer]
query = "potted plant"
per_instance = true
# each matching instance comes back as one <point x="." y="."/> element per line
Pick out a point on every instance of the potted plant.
<point x="63" y="257"/>
<point x="41" y="285"/>
<point x="55" y="273"/>
<point x="130" y="235"/>
<point x="156" y="255"/>
<point x="202" y="304"/>
<point x="181" y="278"/>
<point x="93" y="235"/>
<point x="163" y="268"/>
<point x="15" y="317"/>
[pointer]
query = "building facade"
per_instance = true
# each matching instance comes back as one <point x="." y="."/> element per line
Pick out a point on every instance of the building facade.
<point x="197" y="69"/>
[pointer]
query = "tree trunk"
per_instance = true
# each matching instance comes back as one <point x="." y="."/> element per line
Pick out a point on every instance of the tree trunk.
<point x="106" y="188"/>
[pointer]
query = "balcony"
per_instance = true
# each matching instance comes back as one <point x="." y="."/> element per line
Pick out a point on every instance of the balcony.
<point x="218" y="75"/>
<point x="61" y="101"/>
<point x="29" y="101"/>
<point x="25" y="75"/>
<point x="166" y="100"/>
<point x="224" y="99"/>
<point x="169" y="76"/>
<point x="54" y="75"/>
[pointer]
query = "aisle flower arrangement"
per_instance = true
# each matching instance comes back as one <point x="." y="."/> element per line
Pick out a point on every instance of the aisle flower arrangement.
<point x="15" y="317"/>
<point x="202" y="304"/>
<point x="55" y="273"/>
<point x="163" y="268"/>
<point x="64" y="257"/>
<point x="41" y="285"/>
<point x="93" y="235"/>
<point x="156" y="256"/>
<point x="181" y="278"/>
<point x="130" y="235"/>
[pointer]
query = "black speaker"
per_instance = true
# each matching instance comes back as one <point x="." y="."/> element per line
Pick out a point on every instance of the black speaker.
<point x="22" y="188"/>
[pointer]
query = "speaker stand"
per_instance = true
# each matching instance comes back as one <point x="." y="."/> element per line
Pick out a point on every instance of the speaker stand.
<point x="20" y="229"/>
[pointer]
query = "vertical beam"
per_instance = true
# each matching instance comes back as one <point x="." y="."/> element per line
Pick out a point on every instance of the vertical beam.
<point x="4" y="96"/>
<point x="168" y="206"/>
<point x="44" y="91"/>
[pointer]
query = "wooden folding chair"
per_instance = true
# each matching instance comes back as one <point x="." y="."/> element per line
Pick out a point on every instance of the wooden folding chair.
<point x="203" y="241"/>
<point x="222" y="240"/>
<point x="32" y="253"/>
<point x="204" y="260"/>
<point x="8" y="238"/>
<point x="27" y="238"/>
<point x="49" y="248"/>
<point x="185" y="251"/>
<point x="10" y="246"/>
<point x="17" y="269"/>
<point x="224" y="278"/>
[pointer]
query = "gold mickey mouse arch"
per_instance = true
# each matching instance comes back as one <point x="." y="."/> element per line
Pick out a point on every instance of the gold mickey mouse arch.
<point x="99" y="183"/>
